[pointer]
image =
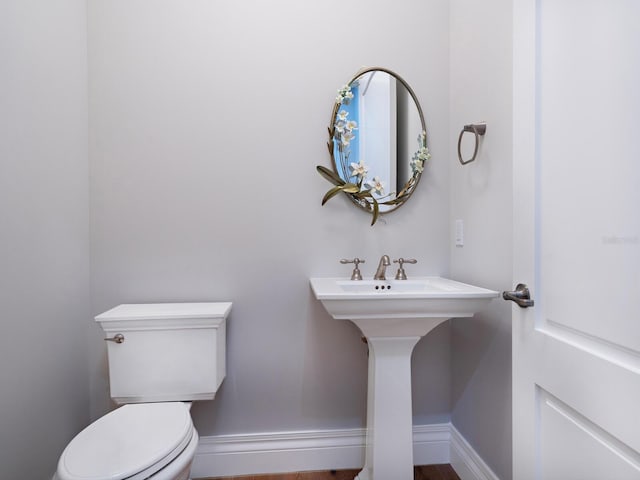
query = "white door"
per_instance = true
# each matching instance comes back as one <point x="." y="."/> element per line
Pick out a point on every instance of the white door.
<point x="576" y="352"/>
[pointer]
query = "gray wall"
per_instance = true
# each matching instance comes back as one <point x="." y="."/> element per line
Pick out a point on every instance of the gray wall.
<point x="207" y="120"/>
<point x="44" y="233"/>
<point x="481" y="196"/>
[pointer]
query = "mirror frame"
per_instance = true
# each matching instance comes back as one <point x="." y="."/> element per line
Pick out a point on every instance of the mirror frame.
<point x="363" y="203"/>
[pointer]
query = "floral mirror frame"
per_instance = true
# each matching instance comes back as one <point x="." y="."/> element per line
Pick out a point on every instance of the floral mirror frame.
<point x="367" y="194"/>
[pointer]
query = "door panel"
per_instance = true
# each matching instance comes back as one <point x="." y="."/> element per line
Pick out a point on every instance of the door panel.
<point x="576" y="354"/>
<point x="588" y="112"/>
<point x="573" y="447"/>
<point x="601" y="390"/>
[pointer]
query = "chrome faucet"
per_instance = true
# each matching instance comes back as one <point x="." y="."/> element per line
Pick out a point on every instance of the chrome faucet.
<point x="382" y="266"/>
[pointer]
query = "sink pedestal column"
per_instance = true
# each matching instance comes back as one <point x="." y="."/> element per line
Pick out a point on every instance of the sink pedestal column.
<point x="389" y="448"/>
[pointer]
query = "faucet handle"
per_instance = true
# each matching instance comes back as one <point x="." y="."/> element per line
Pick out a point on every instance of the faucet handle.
<point x="355" y="275"/>
<point x="401" y="274"/>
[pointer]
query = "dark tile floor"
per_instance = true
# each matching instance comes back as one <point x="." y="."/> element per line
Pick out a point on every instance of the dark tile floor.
<point x="428" y="472"/>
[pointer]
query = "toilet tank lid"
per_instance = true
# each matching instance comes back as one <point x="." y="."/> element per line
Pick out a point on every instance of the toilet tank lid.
<point x="128" y="443"/>
<point x="166" y="311"/>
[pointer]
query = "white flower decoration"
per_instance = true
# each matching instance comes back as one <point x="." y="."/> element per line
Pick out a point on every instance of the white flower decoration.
<point x="359" y="169"/>
<point x="344" y="95"/>
<point x="376" y="185"/>
<point x="352" y="125"/>
<point x="342" y="115"/>
<point x="417" y="165"/>
<point x="419" y="159"/>
<point x="347" y="136"/>
<point x="341" y="126"/>
<point x="421" y="156"/>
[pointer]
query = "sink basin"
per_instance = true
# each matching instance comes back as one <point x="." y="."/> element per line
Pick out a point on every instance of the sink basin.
<point x="399" y="307"/>
<point x="394" y="315"/>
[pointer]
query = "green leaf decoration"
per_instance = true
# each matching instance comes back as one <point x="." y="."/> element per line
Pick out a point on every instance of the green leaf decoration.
<point x="396" y="201"/>
<point x="347" y="188"/>
<point x="376" y="210"/>
<point x="350" y="188"/>
<point x="353" y="190"/>
<point x="331" y="193"/>
<point x="363" y="194"/>
<point x="329" y="175"/>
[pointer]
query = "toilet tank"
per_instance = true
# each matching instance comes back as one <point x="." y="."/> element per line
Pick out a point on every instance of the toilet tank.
<point x="168" y="352"/>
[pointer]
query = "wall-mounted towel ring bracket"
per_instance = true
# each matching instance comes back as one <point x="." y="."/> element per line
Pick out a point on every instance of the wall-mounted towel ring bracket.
<point x="478" y="130"/>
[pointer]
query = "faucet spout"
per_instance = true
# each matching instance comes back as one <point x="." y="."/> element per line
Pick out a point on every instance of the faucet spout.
<point x="382" y="267"/>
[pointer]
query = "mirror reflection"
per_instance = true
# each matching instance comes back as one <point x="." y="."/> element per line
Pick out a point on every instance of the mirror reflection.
<point x="377" y="141"/>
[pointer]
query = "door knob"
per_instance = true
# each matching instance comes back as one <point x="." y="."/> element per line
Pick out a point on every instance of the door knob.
<point x="520" y="295"/>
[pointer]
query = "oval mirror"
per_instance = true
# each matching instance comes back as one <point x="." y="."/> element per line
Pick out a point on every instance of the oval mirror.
<point x="377" y="142"/>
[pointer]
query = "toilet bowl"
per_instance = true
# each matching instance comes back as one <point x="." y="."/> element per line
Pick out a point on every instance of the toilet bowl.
<point x="163" y="356"/>
<point x="133" y="442"/>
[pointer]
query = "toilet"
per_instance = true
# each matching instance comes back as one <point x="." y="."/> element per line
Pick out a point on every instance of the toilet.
<point x="161" y="358"/>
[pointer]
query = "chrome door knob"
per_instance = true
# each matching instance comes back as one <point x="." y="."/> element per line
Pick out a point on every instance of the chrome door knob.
<point x="520" y="295"/>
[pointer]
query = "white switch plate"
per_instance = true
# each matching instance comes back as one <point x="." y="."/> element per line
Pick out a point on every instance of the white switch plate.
<point x="459" y="233"/>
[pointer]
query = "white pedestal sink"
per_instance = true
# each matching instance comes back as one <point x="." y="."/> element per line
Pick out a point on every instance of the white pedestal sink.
<point x="393" y="315"/>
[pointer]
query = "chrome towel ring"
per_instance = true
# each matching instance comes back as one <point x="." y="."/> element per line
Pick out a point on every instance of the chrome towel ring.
<point x="478" y="129"/>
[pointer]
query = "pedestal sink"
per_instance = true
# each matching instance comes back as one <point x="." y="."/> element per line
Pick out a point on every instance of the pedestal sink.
<point x="393" y="315"/>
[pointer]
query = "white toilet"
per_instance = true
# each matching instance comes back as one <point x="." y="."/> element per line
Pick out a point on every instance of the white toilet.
<point x="161" y="357"/>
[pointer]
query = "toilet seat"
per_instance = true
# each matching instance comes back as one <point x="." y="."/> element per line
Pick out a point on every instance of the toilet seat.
<point x="132" y="442"/>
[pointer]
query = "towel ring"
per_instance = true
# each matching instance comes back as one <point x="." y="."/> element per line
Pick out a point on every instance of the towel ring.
<point x="478" y="130"/>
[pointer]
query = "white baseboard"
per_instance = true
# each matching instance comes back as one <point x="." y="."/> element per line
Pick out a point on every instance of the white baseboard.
<point x="231" y="455"/>
<point x="466" y="461"/>
<point x="431" y="444"/>
<point x="279" y="452"/>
